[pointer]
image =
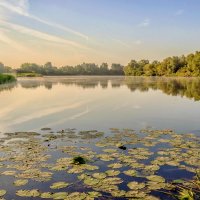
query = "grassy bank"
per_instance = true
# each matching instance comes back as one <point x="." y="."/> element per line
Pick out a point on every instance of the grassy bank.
<point x="28" y="75"/>
<point x="6" y="78"/>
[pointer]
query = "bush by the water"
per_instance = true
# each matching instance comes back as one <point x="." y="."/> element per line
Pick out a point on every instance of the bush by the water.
<point x="31" y="74"/>
<point x="6" y="78"/>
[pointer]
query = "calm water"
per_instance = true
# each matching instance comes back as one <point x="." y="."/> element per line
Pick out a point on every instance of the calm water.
<point x="100" y="103"/>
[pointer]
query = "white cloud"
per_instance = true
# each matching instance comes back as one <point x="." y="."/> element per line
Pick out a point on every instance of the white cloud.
<point x="39" y="35"/>
<point x="179" y="12"/>
<point x="17" y="6"/>
<point x="121" y="42"/>
<point x="59" y="26"/>
<point x="145" y="23"/>
<point x="7" y="40"/>
<point x="138" y="42"/>
<point x="21" y="7"/>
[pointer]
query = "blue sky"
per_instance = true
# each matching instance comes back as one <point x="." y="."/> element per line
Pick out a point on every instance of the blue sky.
<point x="76" y="31"/>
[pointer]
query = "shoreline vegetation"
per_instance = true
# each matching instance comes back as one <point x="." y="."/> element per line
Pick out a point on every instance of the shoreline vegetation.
<point x="6" y="78"/>
<point x="31" y="74"/>
<point x="181" y="66"/>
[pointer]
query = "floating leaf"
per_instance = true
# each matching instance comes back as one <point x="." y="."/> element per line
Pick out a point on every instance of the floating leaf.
<point x="155" y="178"/>
<point x="20" y="182"/>
<point x="28" y="193"/>
<point x="115" y="165"/>
<point x="91" y="181"/>
<point x="59" y="185"/>
<point x="60" y="195"/>
<point x="9" y="173"/>
<point x="46" y="195"/>
<point x="94" y="194"/>
<point x="112" y="172"/>
<point x="135" y="185"/>
<point x="130" y="172"/>
<point x="2" y="193"/>
<point x="99" y="175"/>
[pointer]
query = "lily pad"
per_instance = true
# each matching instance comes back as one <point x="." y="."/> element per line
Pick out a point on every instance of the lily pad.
<point x="99" y="175"/>
<point x="155" y="178"/>
<point x="112" y="172"/>
<point x="60" y="195"/>
<point x="135" y="185"/>
<point x="20" y="182"/>
<point x="2" y="193"/>
<point x="46" y="195"/>
<point x="59" y="185"/>
<point x="28" y="193"/>
<point x="130" y="172"/>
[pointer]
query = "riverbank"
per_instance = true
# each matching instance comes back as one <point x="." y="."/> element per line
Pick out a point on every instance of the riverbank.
<point x="6" y="78"/>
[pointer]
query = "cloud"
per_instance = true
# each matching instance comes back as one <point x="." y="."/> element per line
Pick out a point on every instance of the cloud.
<point x="17" y="6"/>
<point x="121" y="42"/>
<point x="7" y="40"/>
<point x="179" y="12"/>
<point x="40" y="35"/>
<point x="145" y="23"/>
<point x="21" y="7"/>
<point x="138" y="42"/>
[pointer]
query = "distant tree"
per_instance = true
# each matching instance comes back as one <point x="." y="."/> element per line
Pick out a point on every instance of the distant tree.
<point x="29" y="67"/>
<point x="117" y="69"/>
<point x="5" y="69"/>
<point x="103" y="70"/>
<point x="49" y="69"/>
<point x="133" y="69"/>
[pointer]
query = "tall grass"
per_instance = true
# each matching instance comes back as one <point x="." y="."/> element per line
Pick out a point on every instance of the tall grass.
<point x="6" y="78"/>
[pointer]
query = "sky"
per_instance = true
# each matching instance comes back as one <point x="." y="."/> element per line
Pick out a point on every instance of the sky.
<point x="70" y="32"/>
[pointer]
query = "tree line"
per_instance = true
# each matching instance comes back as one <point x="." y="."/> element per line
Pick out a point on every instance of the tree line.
<point x="82" y="69"/>
<point x="172" y="66"/>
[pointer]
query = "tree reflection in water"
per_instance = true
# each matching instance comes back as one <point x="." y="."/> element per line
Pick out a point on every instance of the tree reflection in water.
<point x="184" y="87"/>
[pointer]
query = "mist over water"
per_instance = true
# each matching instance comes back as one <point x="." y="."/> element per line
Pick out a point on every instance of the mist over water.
<point x="101" y="103"/>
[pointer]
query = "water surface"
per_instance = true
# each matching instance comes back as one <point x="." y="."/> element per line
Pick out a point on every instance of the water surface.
<point x="100" y="103"/>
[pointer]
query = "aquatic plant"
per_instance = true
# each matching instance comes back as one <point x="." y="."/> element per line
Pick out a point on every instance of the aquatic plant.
<point x="138" y="170"/>
<point x="6" y="78"/>
<point x="189" y="190"/>
<point x="78" y="160"/>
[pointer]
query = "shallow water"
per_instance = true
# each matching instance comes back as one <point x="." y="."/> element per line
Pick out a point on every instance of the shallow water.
<point x="100" y="103"/>
<point x="155" y="159"/>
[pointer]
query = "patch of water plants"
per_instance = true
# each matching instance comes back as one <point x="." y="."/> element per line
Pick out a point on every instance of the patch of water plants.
<point x="118" y="164"/>
<point x="6" y="78"/>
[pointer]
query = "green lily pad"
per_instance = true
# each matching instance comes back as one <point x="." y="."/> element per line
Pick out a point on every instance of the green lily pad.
<point x="60" y="195"/>
<point x="59" y="185"/>
<point x="155" y="178"/>
<point x="112" y="172"/>
<point x="94" y="194"/>
<point x="99" y="175"/>
<point x="115" y="165"/>
<point x="9" y="173"/>
<point x="46" y="195"/>
<point x="130" y="172"/>
<point x="135" y="185"/>
<point x="28" y="193"/>
<point x="2" y="193"/>
<point x="20" y="182"/>
<point x="91" y="181"/>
